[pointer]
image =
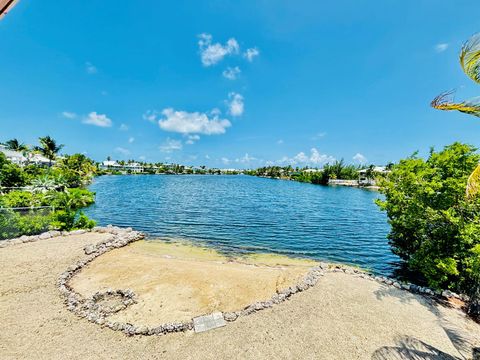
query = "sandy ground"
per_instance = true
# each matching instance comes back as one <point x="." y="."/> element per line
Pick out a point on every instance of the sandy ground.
<point x="342" y="317"/>
<point x="176" y="282"/>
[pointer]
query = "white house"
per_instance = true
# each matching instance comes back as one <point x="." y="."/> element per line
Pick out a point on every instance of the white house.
<point x="15" y="157"/>
<point x="134" y="167"/>
<point x="113" y="165"/>
<point x="363" y="179"/>
<point x="40" y="160"/>
<point x="110" y="165"/>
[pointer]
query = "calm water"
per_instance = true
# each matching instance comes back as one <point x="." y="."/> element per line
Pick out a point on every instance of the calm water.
<point x="250" y="214"/>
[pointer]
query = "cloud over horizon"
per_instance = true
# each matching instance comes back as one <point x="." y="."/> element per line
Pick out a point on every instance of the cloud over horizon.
<point x="184" y="122"/>
<point x="361" y="159"/>
<point x="170" y="145"/>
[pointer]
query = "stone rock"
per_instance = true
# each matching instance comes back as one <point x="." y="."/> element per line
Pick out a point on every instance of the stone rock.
<point x="78" y="232"/>
<point x="141" y="330"/>
<point x="44" y="236"/>
<point x="230" y="316"/>
<point x="406" y="287"/>
<point x="89" y="249"/>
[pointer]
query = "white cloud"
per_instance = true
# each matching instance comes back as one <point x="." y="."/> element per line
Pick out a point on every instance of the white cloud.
<point x="441" y="47"/>
<point x="90" y="68"/>
<point x="225" y="160"/>
<point x="123" y="127"/>
<point x="213" y="53"/>
<point x="192" y="122"/>
<point x="122" y="151"/>
<point x="361" y="159"/>
<point x="131" y="140"/>
<point x="235" y="104"/>
<point x="69" y="115"/>
<point x="170" y="145"/>
<point x="246" y="159"/>
<point x="280" y="142"/>
<point x="251" y="53"/>
<point x="98" y="120"/>
<point x="314" y="158"/>
<point x="191" y="139"/>
<point x="319" y="135"/>
<point x="231" y="73"/>
<point x="150" y="115"/>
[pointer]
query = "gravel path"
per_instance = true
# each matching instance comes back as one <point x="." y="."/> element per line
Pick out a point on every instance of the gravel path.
<point x="342" y="317"/>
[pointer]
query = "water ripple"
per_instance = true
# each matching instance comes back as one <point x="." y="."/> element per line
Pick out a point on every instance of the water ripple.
<point x="245" y="214"/>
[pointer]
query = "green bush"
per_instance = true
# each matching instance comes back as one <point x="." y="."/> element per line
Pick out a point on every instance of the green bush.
<point x="12" y="175"/>
<point x="83" y="222"/>
<point x="14" y="224"/>
<point x="435" y="229"/>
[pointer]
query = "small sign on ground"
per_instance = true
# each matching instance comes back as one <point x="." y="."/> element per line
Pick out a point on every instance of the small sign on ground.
<point x="208" y="322"/>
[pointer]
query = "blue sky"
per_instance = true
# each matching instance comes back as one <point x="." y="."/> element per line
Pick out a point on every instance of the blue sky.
<point x="236" y="83"/>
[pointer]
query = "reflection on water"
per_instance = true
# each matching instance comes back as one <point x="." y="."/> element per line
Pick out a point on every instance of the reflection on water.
<point x="248" y="214"/>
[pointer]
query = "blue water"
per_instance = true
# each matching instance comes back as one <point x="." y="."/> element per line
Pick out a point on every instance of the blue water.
<point x="249" y="214"/>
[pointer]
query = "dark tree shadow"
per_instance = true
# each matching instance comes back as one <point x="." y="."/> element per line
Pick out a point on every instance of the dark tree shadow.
<point x="411" y="348"/>
<point x="458" y="337"/>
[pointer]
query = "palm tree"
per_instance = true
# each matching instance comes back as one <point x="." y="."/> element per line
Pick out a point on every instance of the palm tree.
<point x="16" y="145"/>
<point x="48" y="147"/>
<point x="470" y="63"/>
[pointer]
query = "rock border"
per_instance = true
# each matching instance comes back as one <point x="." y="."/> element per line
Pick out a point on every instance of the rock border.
<point x="92" y="309"/>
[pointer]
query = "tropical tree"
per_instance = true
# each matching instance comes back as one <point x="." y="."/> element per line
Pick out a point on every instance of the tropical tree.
<point x="16" y="145"/>
<point x="48" y="147"/>
<point x="470" y="63"/>
<point x="435" y="228"/>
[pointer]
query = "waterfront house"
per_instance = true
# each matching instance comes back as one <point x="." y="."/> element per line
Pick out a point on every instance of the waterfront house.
<point x="366" y="177"/>
<point x="113" y="165"/>
<point x="15" y="157"/>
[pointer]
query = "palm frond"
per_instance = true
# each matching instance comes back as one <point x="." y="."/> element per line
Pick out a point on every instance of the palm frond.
<point x="473" y="183"/>
<point x="470" y="58"/>
<point x="445" y="101"/>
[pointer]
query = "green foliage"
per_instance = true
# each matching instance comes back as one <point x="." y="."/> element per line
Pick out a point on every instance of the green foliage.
<point x="12" y="175"/>
<point x="337" y="170"/>
<point x="83" y="222"/>
<point x="59" y="187"/>
<point x="16" y="145"/>
<point x="15" y="199"/>
<point x="14" y="224"/>
<point x="48" y="147"/>
<point x="435" y="229"/>
<point x="74" y="170"/>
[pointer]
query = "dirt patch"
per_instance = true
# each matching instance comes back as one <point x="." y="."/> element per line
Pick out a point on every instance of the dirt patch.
<point x="176" y="282"/>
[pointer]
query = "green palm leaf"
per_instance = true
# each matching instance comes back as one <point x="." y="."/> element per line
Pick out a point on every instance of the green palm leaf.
<point x="446" y="102"/>
<point x="470" y="58"/>
<point x="473" y="183"/>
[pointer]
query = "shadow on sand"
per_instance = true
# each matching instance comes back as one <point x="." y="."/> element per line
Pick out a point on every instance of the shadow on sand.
<point x="411" y="348"/>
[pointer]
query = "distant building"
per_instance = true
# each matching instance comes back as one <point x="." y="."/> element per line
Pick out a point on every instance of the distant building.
<point x="134" y="167"/>
<point x="115" y="166"/>
<point x="15" y="157"/>
<point x="364" y="179"/>
<point x="39" y="160"/>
